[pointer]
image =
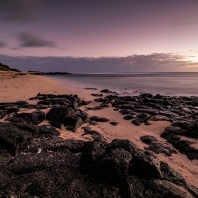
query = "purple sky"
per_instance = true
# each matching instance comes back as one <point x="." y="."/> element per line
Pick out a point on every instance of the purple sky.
<point x="99" y="35"/>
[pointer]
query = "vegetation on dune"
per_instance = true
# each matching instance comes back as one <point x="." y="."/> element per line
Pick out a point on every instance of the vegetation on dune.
<point x="7" y="68"/>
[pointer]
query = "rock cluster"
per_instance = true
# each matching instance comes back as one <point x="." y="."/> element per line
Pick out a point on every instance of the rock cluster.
<point x="181" y="111"/>
<point x="7" y="68"/>
<point x="36" y="162"/>
<point x="44" y="165"/>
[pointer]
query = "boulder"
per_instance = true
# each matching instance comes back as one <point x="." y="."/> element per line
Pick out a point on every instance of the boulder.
<point x="152" y="188"/>
<point x="145" y="165"/>
<point x="83" y="115"/>
<point x="57" y="115"/>
<point x="124" y="144"/>
<point x="12" y="137"/>
<point x="94" y="134"/>
<point x="2" y="114"/>
<point x="33" y="162"/>
<point x="139" y="118"/>
<point x="35" y="117"/>
<point x="128" y="117"/>
<point x="113" y="167"/>
<point x="39" y="116"/>
<point x="73" y="123"/>
<point x="48" y="130"/>
<point x="92" y="152"/>
<point x="5" y="157"/>
<point x="157" y="146"/>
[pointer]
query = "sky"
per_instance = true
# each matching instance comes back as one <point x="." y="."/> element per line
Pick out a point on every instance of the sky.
<point x="93" y="36"/>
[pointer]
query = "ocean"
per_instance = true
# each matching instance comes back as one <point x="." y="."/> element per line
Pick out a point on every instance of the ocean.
<point x="169" y="83"/>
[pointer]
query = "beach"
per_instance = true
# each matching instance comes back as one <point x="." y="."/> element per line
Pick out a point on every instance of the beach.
<point x="23" y="86"/>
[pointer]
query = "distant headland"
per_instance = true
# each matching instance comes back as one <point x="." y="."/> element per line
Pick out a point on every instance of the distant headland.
<point x="7" y="68"/>
<point x="48" y="73"/>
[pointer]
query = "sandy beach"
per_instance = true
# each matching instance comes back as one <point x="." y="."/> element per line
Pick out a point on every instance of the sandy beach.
<point x="17" y="87"/>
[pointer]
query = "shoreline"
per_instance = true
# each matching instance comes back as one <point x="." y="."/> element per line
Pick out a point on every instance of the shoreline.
<point x="23" y="87"/>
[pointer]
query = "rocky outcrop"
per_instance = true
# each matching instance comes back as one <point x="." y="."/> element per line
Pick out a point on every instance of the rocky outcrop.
<point x="180" y="111"/>
<point x="57" y="115"/>
<point x="2" y="114"/>
<point x="69" y="168"/>
<point x="157" y="146"/>
<point x="36" y="162"/>
<point x="7" y="68"/>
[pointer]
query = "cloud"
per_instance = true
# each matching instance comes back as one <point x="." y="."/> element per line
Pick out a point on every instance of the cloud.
<point x="22" y="11"/>
<point x="32" y="40"/>
<point x="135" y="63"/>
<point x="2" y="44"/>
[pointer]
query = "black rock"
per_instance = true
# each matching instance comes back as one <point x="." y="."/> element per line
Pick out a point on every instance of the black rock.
<point x="39" y="116"/>
<point x="138" y="188"/>
<point x="90" y="88"/>
<point x="12" y="137"/>
<point x="147" y="139"/>
<point x="160" y="118"/>
<point x="95" y="135"/>
<point x="192" y="156"/>
<point x="139" y="118"/>
<point x="5" y="157"/>
<point x="189" y="126"/>
<point x="34" y="162"/>
<point x="157" y="146"/>
<point x="73" y="123"/>
<point x="128" y="117"/>
<point x="184" y="146"/>
<point x="100" y="100"/>
<point x="136" y="122"/>
<point x="22" y="117"/>
<point x="97" y="119"/>
<point x="98" y="95"/>
<point x="124" y="144"/>
<point x="114" y="123"/>
<point x="158" y="96"/>
<point x="126" y="111"/>
<point x="83" y="115"/>
<point x="92" y="152"/>
<point x="145" y="165"/>
<point x="2" y="114"/>
<point x="57" y="115"/>
<point x="113" y="167"/>
<point x="48" y="130"/>
<point x="35" y="117"/>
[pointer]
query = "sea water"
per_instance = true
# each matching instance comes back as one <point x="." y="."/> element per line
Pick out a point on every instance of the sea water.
<point x="174" y="83"/>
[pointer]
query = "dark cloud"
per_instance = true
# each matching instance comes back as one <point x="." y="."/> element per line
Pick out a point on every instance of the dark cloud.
<point x="136" y="63"/>
<point x="2" y="44"/>
<point x="32" y="40"/>
<point x="19" y="10"/>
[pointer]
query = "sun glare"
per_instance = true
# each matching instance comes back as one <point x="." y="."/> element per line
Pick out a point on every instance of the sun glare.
<point x="192" y="57"/>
